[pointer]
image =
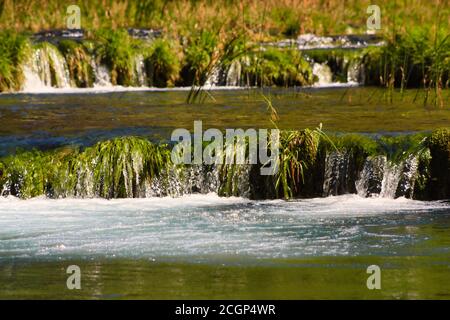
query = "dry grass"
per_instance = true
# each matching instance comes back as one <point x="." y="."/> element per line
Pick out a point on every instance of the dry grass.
<point x="258" y="19"/>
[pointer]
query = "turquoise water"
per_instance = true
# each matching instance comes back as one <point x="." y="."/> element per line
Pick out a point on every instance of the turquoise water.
<point x="206" y="247"/>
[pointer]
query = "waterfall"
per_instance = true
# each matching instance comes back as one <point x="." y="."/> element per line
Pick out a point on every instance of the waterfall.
<point x="234" y="74"/>
<point x="383" y="178"/>
<point x="355" y="71"/>
<point x="336" y="174"/>
<point x="187" y="180"/>
<point x="213" y="77"/>
<point x="371" y="177"/>
<point x="140" y="72"/>
<point x="101" y="74"/>
<point x="391" y="177"/>
<point x="399" y="179"/>
<point x="408" y="177"/>
<point x="45" y="68"/>
<point x="323" y="73"/>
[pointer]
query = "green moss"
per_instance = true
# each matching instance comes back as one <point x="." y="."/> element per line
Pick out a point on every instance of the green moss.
<point x="78" y="61"/>
<point x="398" y="148"/>
<point x="359" y="146"/>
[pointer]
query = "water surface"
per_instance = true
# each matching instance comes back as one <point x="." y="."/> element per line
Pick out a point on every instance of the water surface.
<point x="204" y="246"/>
<point x="50" y="120"/>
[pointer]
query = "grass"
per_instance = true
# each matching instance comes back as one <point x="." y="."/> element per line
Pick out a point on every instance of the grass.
<point x="205" y="53"/>
<point x="117" y="50"/>
<point x="111" y="169"/>
<point x="14" y="49"/>
<point x="163" y="64"/>
<point x="277" y="67"/>
<point x="201" y="35"/>
<point x="298" y="153"/>
<point x="258" y="20"/>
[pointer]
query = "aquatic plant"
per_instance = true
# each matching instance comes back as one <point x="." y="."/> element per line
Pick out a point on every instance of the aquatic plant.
<point x="115" y="168"/>
<point x="14" y="49"/>
<point x="119" y="167"/>
<point x="117" y="50"/>
<point x="162" y="63"/>
<point x="24" y="175"/>
<point x="417" y="59"/>
<point x="200" y="56"/>
<point x="298" y="152"/>
<point x="439" y="144"/>
<point x="398" y="148"/>
<point x="277" y="67"/>
<point x="207" y="53"/>
<point x="79" y="62"/>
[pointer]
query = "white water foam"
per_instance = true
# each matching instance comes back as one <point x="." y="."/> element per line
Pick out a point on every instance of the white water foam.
<point x="207" y="226"/>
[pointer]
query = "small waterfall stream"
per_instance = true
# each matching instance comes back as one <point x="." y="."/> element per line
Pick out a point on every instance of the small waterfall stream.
<point x="323" y="73"/>
<point x="378" y="178"/>
<point x="386" y="179"/>
<point x="140" y="73"/>
<point x="101" y="74"/>
<point x="336" y="174"/>
<point x="46" y="68"/>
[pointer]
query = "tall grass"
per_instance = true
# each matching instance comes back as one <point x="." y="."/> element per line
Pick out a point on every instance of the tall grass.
<point x="277" y="67"/>
<point x="14" y="49"/>
<point x="163" y="63"/>
<point x="111" y="169"/>
<point x="117" y="50"/>
<point x="418" y="56"/>
<point x="206" y="52"/>
<point x="270" y="18"/>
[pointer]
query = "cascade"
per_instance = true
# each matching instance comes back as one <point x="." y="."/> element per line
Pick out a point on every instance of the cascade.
<point x="323" y="73"/>
<point x="140" y="72"/>
<point x="46" y="68"/>
<point x="336" y="173"/>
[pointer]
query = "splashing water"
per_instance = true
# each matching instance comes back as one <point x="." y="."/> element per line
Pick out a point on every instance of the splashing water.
<point x="323" y="73"/>
<point x="46" y="68"/>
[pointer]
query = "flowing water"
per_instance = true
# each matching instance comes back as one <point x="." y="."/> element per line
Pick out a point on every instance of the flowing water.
<point x="240" y="247"/>
<point x="49" y="120"/>
<point x="199" y="245"/>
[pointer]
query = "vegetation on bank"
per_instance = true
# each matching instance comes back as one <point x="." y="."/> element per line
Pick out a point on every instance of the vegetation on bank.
<point x="200" y="37"/>
<point x="127" y="166"/>
<point x="259" y="20"/>
<point x="419" y="58"/>
<point x="14" y="49"/>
